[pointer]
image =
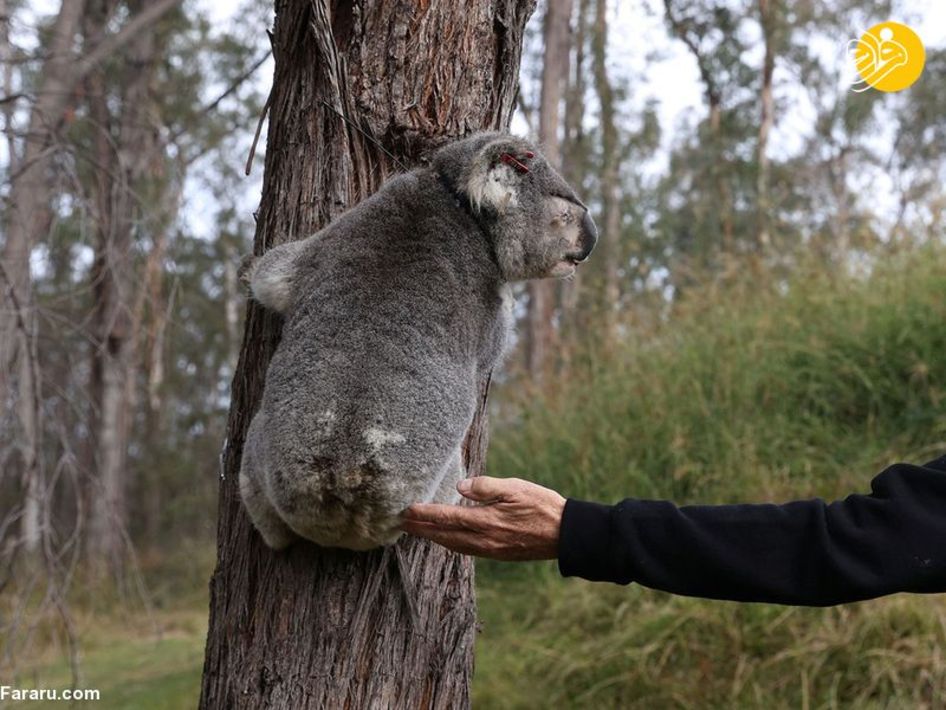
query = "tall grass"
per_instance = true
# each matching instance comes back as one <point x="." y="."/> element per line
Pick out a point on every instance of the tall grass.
<point x="747" y="393"/>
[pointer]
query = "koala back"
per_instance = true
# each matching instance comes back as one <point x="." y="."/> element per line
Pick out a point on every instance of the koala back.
<point x="393" y="314"/>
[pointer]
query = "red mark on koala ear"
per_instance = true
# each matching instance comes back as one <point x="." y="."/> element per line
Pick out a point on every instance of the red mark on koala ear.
<point x="510" y="160"/>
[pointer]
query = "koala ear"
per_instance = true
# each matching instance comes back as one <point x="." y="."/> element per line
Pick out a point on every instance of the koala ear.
<point x="495" y="174"/>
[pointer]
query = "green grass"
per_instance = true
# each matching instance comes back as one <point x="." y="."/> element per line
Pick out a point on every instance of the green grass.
<point x="802" y="389"/>
<point x="132" y="666"/>
<point x="566" y="643"/>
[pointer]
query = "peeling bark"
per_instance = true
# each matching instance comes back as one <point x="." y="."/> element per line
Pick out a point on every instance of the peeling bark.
<point x="315" y="627"/>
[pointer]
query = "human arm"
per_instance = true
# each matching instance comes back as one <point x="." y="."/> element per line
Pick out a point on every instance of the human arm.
<point x="807" y="553"/>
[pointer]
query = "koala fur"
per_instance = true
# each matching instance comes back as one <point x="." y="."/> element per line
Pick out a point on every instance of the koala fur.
<point x="394" y="313"/>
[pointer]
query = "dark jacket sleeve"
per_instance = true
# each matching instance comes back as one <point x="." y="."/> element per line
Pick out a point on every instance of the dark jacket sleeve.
<point x="807" y="553"/>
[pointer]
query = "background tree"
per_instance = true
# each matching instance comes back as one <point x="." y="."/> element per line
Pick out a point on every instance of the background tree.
<point x="28" y="221"/>
<point x="104" y="267"/>
<point x="318" y="627"/>
<point x="556" y="37"/>
<point x="609" y="265"/>
<point x="127" y="175"/>
<point x="574" y="163"/>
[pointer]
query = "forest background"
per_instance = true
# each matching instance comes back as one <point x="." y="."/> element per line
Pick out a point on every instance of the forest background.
<point x="763" y="320"/>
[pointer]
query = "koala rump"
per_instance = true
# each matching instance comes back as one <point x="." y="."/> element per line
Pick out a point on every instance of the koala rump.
<point x="394" y="314"/>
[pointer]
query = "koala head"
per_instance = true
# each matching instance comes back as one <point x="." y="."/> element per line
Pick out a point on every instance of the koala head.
<point x="538" y="225"/>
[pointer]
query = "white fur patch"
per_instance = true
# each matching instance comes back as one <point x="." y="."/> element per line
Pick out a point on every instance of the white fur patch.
<point x="495" y="188"/>
<point x="326" y="422"/>
<point x="377" y="438"/>
<point x="272" y="285"/>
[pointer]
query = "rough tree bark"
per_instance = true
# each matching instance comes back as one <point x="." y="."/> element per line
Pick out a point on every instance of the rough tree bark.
<point x="314" y="627"/>
<point x="539" y="329"/>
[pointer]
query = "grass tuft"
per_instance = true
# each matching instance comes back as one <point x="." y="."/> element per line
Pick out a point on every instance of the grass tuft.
<point x="747" y="393"/>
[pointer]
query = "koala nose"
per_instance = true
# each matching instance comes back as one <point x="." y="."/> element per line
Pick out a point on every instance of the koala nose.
<point x="589" y="235"/>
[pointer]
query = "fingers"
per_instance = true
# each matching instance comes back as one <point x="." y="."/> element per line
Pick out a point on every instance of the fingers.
<point x="485" y="489"/>
<point x="467" y="542"/>
<point x="447" y="516"/>
<point x="464" y="541"/>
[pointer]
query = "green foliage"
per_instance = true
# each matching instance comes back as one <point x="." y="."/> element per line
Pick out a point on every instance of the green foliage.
<point x="748" y="388"/>
<point x="748" y="392"/>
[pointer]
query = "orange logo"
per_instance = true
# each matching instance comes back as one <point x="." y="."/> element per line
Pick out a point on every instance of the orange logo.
<point x="888" y="57"/>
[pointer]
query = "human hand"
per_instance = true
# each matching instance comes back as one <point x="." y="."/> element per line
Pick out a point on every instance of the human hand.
<point x="516" y="520"/>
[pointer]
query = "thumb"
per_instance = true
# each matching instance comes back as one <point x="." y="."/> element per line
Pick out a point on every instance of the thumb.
<point x="485" y="488"/>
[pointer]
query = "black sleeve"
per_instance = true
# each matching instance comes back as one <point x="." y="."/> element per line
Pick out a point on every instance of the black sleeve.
<point x="807" y="553"/>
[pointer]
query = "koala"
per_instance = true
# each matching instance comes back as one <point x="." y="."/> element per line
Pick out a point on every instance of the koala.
<point x="393" y="315"/>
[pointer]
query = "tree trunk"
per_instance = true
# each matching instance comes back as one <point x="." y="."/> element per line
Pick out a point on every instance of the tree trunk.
<point x="768" y="10"/>
<point x="30" y="190"/>
<point x="28" y="217"/>
<point x="574" y="169"/>
<point x="610" y="152"/>
<point x="124" y="164"/>
<point x="714" y="102"/>
<point x="838" y="175"/>
<point x="539" y="331"/>
<point x="27" y="221"/>
<point x="7" y="58"/>
<point x="314" y="627"/>
<point x="33" y="482"/>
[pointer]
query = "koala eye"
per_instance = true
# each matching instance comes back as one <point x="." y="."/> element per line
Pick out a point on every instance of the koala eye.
<point x="562" y="211"/>
<point x="564" y="216"/>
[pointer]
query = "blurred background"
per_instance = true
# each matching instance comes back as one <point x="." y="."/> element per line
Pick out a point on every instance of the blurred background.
<point x="763" y="321"/>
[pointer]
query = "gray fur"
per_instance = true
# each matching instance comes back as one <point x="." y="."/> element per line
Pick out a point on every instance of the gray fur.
<point x="393" y="315"/>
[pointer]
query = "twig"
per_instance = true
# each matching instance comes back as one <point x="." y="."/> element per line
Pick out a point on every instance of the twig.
<point x="259" y="128"/>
